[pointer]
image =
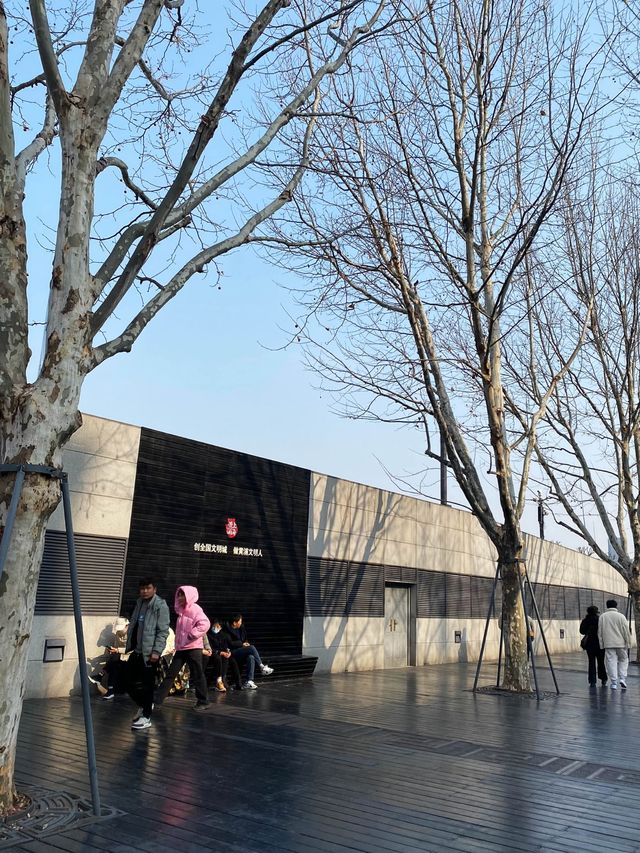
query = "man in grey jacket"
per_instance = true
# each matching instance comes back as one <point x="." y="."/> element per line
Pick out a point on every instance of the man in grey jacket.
<point x="146" y="639"/>
<point x="614" y="637"/>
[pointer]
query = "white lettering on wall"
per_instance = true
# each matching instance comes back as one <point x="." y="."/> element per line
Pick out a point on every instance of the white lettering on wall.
<point x="238" y="551"/>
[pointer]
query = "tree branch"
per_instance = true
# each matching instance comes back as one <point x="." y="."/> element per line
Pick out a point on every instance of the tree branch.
<point x="208" y="125"/>
<point x="125" y="341"/>
<point x="48" y="57"/>
<point x="30" y="153"/>
<point x="104" y="162"/>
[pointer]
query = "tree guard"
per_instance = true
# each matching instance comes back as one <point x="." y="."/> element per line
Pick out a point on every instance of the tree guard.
<point x="59" y="474"/>
<point x="524" y="581"/>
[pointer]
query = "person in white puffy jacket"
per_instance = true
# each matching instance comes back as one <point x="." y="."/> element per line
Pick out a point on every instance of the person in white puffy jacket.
<point x="614" y="637"/>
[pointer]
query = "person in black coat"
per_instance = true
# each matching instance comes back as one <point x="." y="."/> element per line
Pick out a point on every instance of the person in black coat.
<point x="244" y="652"/>
<point x="589" y="630"/>
<point x="221" y="657"/>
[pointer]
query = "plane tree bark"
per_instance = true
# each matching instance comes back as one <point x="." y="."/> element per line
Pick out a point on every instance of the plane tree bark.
<point x="128" y="98"/>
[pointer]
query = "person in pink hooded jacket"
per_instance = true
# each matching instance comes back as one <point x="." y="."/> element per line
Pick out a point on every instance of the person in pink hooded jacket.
<point x="191" y="627"/>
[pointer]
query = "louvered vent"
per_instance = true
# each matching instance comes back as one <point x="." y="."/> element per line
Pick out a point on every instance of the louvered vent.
<point x="432" y="596"/>
<point x="100" y="562"/>
<point x="326" y="593"/>
<point x="365" y="596"/>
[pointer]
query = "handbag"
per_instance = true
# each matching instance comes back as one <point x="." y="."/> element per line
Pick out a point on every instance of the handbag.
<point x="584" y="641"/>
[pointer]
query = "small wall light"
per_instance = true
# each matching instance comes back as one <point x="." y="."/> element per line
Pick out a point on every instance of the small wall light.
<point x="457" y="636"/>
<point x="53" y="651"/>
<point x="562" y="633"/>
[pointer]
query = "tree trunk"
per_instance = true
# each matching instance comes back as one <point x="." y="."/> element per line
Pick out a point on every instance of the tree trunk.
<point x="517" y="677"/>
<point x="18" y="587"/>
<point x="36" y="436"/>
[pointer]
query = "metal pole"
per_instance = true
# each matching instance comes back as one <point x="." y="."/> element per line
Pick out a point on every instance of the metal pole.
<point x="529" y="642"/>
<point x="486" y="628"/>
<point x="11" y="517"/>
<point x="443" y="470"/>
<point x="541" y="513"/>
<point x="500" y="646"/>
<point x="542" y="634"/>
<point x="82" y="659"/>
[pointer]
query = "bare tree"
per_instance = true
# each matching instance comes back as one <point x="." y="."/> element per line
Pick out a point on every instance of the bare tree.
<point x="132" y="98"/>
<point x="589" y="447"/>
<point x="442" y="165"/>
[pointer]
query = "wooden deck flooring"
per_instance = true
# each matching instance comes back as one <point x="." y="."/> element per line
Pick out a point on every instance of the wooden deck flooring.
<point x="381" y="762"/>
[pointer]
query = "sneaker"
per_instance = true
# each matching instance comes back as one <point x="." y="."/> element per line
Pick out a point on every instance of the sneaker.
<point x="139" y="713"/>
<point x="266" y="670"/>
<point x="249" y="685"/>
<point x="200" y="706"/>
<point x="614" y="686"/>
<point x="623" y="684"/>
<point x="109" y="694"/>
<point x="141" y="723"/>
<point x="220" y="686"/>
<point x="97" y="680"/>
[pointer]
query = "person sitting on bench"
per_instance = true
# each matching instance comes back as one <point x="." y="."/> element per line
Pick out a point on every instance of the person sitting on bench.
<point x="243" y="651"/>
<point x="222" y="658"/>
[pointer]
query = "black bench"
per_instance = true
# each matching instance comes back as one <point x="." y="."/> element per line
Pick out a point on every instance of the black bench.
<point x="289" y="666"/>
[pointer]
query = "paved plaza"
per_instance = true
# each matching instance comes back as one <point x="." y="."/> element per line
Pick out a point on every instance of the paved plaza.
<point x="382" y="762"/>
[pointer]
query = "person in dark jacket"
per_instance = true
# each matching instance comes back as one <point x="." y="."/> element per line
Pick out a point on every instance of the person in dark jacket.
<point x="589" y="630"/>
<point x="221" y="657"/>
<point x="244" y="652"/>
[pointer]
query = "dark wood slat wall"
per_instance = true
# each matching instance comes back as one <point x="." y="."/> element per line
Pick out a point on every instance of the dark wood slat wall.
<point x="185" y="491"/>
<point x="343" y="588"/>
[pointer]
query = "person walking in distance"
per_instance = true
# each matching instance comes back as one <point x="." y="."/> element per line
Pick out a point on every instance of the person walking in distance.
<point x="614" y="637"/>
<point x="191" y="627"/>
<point x="591" y="645"/>
<point x="146" y="639"/>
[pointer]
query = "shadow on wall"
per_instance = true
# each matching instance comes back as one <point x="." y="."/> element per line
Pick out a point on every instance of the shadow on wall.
<point x="341" y="593"/>
<point x="94" y="664"/>
<point x="100" y="461"/>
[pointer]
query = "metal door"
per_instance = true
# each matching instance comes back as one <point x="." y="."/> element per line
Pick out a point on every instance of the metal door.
<point x="396" y="626"/>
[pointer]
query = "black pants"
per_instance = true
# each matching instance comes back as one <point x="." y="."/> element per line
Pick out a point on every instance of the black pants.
<point x="115" y="669"/>
<point x="221" y="666"/>
<point x="602" y="672"/>
<point x="141" y="681"/>
<point x="193" y="659"/>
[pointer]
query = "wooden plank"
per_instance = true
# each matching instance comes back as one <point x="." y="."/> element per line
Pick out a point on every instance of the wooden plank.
<point x="403" y="761"/>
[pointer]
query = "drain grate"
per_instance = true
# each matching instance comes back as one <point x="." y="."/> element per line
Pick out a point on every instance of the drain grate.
<point x="50" y="812"/>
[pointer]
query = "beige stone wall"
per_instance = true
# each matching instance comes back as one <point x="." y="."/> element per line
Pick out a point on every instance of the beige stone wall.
<point x="47" y="680"/>
<point x="101" y="461"/>
<point x="349" y="521"/>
